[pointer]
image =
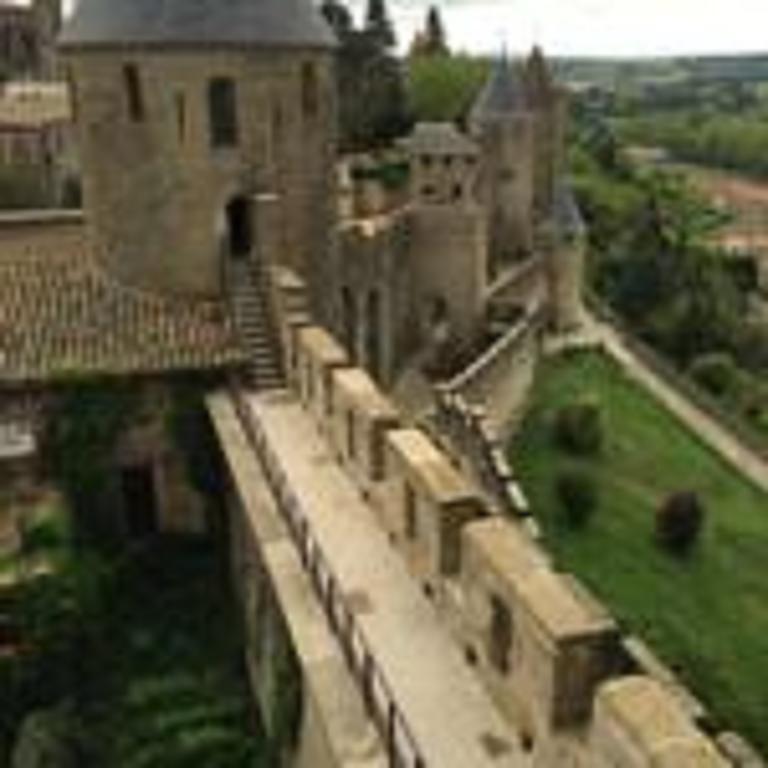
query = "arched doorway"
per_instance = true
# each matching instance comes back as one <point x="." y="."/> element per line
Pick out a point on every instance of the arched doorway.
<point x="239" y="227"/>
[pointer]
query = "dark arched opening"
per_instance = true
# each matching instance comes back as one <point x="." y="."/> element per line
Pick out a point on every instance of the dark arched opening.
<point x="239" y="227"/>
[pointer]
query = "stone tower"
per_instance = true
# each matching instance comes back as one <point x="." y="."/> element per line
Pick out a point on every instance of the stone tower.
<point x="448" y="231"/>
<point x="191" y="114"/>
<point x="503" y="125"/>
<point x="548" y="103"/>
<point x="564" y="246"/>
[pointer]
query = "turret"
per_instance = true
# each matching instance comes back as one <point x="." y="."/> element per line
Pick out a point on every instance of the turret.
<point x="549" y="105"/>
<point x="565" y="243"/>
<point x="188" y="112"/>
<point x="503" y="125"/>
<point x="443" y="165"/>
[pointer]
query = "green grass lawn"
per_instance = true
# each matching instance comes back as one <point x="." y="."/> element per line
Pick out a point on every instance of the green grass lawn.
<point x="707" y="616"/>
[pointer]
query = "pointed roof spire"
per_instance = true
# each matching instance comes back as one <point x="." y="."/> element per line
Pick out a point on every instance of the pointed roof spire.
<point x="538" y="75"/>
<point x="502" y="95"/>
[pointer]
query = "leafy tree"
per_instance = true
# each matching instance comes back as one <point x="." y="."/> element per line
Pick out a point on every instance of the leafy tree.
<point x="716" y="372"/>
<point x="679" y="522"/>
<point x="338" y="17"/>
<point x="83" y="427"/>
<point x="442" y="88"/>
<point x="578" y="428"/>
<point x="378" y="25"/>
<point x="22" y="188"/>
<point x="432" y="41"/>
<point x="577" y="492"/>
<point x="370" y="84"/>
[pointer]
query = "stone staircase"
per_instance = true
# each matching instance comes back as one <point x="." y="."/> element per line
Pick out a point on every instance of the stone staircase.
<point x="249" y="300"/>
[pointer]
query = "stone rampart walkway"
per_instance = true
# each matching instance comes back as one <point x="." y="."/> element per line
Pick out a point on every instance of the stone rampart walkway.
<point x="449" y="713"/>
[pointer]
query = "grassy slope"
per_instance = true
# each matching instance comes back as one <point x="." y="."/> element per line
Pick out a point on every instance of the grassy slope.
<point x="708" y="616"/>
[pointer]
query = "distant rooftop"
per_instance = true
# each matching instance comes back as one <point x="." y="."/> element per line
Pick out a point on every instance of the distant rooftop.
<point x="197" y="22"/>
<point x="502" y="95"/>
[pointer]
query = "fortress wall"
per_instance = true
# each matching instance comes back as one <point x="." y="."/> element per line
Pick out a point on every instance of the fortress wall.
<point x="504" y="375"/>
<point x="43" y="235"/>
<point x="360" y="419"/>
<point x="448" y="251"/>
<point x="521" y="284"/>
<point x="547" y="651"/>
<point x="283" y="620"/>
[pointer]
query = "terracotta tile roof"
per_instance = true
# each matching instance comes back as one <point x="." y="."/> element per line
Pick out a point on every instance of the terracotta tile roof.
<point x="64" y="316"/>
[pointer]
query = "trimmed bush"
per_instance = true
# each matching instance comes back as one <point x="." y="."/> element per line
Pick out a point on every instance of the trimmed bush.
<point x="578" y="495"/>
<point x="715" y="372"/>
<point x="578" y="428"/>
<point x="679" y="522"/>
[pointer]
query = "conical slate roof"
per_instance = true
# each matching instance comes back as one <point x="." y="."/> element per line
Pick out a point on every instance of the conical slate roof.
<point x="273" y="23"/>
<point x="566" y="214"/>
<point x="538" y="74"/>
<point x="502" y="95"/>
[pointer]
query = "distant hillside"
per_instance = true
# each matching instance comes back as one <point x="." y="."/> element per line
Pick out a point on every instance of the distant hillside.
<point x="611" y="72"/>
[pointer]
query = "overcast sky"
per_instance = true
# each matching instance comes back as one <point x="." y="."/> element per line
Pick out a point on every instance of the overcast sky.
<point x="595" y="27"/>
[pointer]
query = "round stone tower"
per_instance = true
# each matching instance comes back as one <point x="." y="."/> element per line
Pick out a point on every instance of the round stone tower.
<point x="565" y="242"/>
<point x="503" y="126"/>
<point x="191" y="111"/>
<point x="549" y="105"/>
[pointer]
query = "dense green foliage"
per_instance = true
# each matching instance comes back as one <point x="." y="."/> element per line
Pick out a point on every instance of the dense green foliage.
<point x="85" y="423"/>
<point x="371" y="88"/>
<point x="679" y="521"/>
<point x="141" y="655"/>
<point x="724" y="139"/>
<point x="578" y="495"/>
<point x="22" y="188"/>
<point x="706" y="614"/>
<point x="442" y="88"/>
<point x="654" y="263"/>
<point x="578" y="428"/>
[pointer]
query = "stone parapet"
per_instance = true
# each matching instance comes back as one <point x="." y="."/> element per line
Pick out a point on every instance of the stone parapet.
<point x="551" y="656"/>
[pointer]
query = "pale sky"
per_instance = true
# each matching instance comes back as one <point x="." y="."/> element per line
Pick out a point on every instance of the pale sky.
<point x="594" y="27"/>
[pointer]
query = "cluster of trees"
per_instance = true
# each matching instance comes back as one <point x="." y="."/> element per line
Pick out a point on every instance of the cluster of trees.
<point x="737" y="142"/>
<point x="442" y="88"/>
<point x="655" y="264"/>
<point x="380" y="95"/>
<point x="371" y="87"/>
<point x="578" y="431"/>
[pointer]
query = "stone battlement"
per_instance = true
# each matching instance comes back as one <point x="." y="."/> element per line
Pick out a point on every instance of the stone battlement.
<point x="548" y="653"/>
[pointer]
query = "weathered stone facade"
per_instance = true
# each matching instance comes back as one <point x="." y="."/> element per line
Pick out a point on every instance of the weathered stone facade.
<point x="549" y="656"/>
<point x="485" y="224"/>
<point x="160" y="195"/>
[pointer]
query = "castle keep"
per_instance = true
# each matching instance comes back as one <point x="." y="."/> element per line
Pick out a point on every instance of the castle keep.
<point x="221" y="235"/>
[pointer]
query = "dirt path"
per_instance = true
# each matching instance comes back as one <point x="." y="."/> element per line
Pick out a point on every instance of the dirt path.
<point x="745" y="460"/>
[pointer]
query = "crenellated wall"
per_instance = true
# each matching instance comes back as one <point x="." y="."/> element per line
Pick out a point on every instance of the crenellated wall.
<point x="550" y="655"/>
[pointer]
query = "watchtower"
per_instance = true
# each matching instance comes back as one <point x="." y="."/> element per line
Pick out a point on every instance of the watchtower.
<point x="187" y="112"/>
<point x="503" y="125"/>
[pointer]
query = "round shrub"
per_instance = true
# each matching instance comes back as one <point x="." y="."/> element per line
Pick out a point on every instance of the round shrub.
<point x="577" y="492"/>
<point x="715" y="372"/>
<point x="679" y="522"/>
<point x="578" y="428"/>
